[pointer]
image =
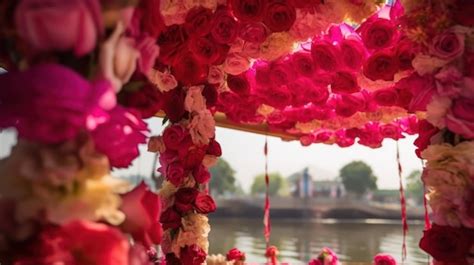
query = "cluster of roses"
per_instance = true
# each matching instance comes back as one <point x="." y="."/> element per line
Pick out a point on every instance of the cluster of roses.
<point x="66" y="60"/>
<point x="186" y="150"/>
<point x="446" y="136"/>
<point x="329" y="257"/>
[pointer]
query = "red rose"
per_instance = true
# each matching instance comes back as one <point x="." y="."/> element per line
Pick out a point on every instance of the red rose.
<point x="193" y="157"/>
<point x="378" y="33"/>
<point x="238" y="84"/>
<point x="384" y="259"/>
<point x="303" y="64"/>
<point x="173" y="104"/>
<point x="460" y="118"/>
<point x="184" y="199"/>
<point x="277" y="97"/>
<point x="147" y="100"/>
<point x="253" y="32"/>
<point x="171" y="259"/>
<point x="280" y="16"/>
<point x="446" y="243"/>
<point x="173" y="136"/>
<point x="392" y="131"/>
<point x="381" y="66"/>
<point x="192" y="255"/>
<point x="214" y="148"/>
<point x="204" y="204"/>
<point x="201" y="174"/>
<point x="176" y="173"/>
<point x="469" y="64"/>
<point x="353" y="54"/>
<point x="325" y="56"/>
<point x="421" y="91"/>
<point x="281" y="73"/>
<point x="150" y="22"/>
<point x="386" y="97"/>
<point x="224" y="28"/>
<point x="344" y="82"/>
<point x="170" y="218"/>
<point x="198" y="21"/>
<point x="210" y="94"/>
<point x="248" y="10"/>
<point x="323" y="136"/>
<point x="406" y="52"/>
<point x="262" y="73"/>
<point x="235" y="254"/>
<point x="172" y="41"/>
<point x="205" y="50"/>
<point x="305" y="91"/>
<point x="142" y="208"/>
<point x="349" y="104"/>
<point x="188" y="70"/>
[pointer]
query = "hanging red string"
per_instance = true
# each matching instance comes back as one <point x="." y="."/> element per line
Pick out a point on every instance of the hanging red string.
<point x="266" y="215"/>
<point x="425" y="201"/>
<point x="403" y="206"/>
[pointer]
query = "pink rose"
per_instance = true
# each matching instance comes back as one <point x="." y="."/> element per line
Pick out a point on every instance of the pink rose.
<point x="281" y="73"/>
<point x="236" y="63"/>
<point x="202" y="127"/>
<point x="253" y="32"/>
<point x="344" y="82"/>
<point x="325" y="257"/>
<point x="235" y="254"/>
<point x="176" y="173"/>
<point x="204" y="204"/>
<point x="378" y="34"/>
<point x="381" y="66"/>
<point x="170" y="218"/>
<point x="142" y="208"/>
<point x="194" y="101"/>
<point x="449" y="82"/>
<point x="325" y="56"/>
<point x="303" y="64"/>
<point x="201" y="174"/>
<point x="156" y="145"/>
<point x="448" y="45"/>
<point x="384" y="259"/>
<point x="392" y="131"/>
<point x="164" y="81"/>
<point x="353" y="54"/>
<point x="277" y="97"/>
<point x="386" y="97"/>
<point x="184" y="199"/>
<point x="370" y="135"/>
<point x="425" y="132"/>
<point x="460" y="118"/>
<point x="192" y="255"/>
<point x="304" y="91"/>
<point x="215" y="76"/>
<point x="149" y="52"/>
<point x="348" y="104"/>
<point x="57" y="25"/>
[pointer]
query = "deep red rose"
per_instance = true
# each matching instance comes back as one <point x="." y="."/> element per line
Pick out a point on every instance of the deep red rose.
<point x="176" y="173"/>
<point x="205" y="50"/>
<point x="192" y="255"/>
<point x="198" y="21"/>
<point x="224" y="28"/>
<point x="322" y="136"/>
<point x="184" y="199"/>
<point x="201" y="174"/>
<point x="255" y="32"/>
<point x="280" y="16"/>
<point x="248" y="10"/>
<point x="446" y="243"/>
<point x="210" y="94"/>
<point x="425" y="132"/>
<point x="353" y="54"/>
<point x="150" y="22"/>
<point x="378" y="34"/>
<point x="381" y="66"/>
<point x="142" y="208"/>
<point x="281" y="73"/>
<point x="170" y="218"/>
<point x="277" y="97"/>
<point x="204" y="204"/>
<point x="325" y="56"/>
<point x="147" y="100"/>
<point x="386" y="97"/>
<point x="384" y="259"/>
<point x="349" y="104"/>
<point x="469" y="64"/>
<point x="188" y="70"/>
<point x="307" y="4"/>
<point x="214" y="148"/>
<point x="406" y="52"/>
<point x="171" y="259"/>
<point x="173" y="136"/>
<point x="235" y="254"/>
<point x="238" y="84"/>
<point x="344" y="82"/>
<point x="262" y="73"/>
<point x="392" y="131"/>
<point x="172" y="41"/>
<point x="193" y="157"/>
<point x="174" y="104"/>
<point x="302" y="63"/>
<point x="305" y="91"/>
<point x="462" y="13"/>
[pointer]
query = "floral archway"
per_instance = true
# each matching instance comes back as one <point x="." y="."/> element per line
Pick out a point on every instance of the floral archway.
<point x="82" y="74"/>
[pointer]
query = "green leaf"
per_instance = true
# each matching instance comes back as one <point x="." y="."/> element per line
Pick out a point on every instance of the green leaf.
<point x="165" y="120"/>
<point x="133" y="86"/>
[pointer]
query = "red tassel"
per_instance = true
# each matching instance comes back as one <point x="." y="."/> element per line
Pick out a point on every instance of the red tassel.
<point x="403" y="206"/>
<point x="266" y="215"/>
<point x="425" y="201"/>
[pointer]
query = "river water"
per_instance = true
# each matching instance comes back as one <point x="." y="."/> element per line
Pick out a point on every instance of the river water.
<point x="299" y="241"/>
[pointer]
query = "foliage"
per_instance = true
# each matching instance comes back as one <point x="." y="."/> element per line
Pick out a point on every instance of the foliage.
<point x="278" y="184"/>
<point x="223" y="179"/>
<point x="414" y="186"/>
<point x="358" y="177"/>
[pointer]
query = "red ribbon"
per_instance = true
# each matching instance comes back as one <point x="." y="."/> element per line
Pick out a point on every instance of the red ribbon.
<point x="403" y="206"/>
<point x="266" y="215"/>
<point x="425" y="201"/>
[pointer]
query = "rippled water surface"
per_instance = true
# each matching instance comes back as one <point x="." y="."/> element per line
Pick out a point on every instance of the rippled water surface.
<point x="299" y="241"/>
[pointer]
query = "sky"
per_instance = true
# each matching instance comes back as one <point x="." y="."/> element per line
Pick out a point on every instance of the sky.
<point x="244" y="152"/>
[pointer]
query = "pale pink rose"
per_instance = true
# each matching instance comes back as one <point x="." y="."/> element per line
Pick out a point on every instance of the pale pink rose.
<point x="448" y="45"/>
<point x="235" y="64"/>
<point x="216" y="75"/>
<point x="209" y="161"/>
<point x="118" y="57"/>
<point x="149" y="51"/>
<point x="449" y="81"/>
<point x="156" y="145"/>
<point x="194" y="101"/>
<point x="57" y="25"/>
<point x="460" y="118"/>
<point x="202" y="127"/>
<point x="437" y="110"/>
<point x="163" y="81"/>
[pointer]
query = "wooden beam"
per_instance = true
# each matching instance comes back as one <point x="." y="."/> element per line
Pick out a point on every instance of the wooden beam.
<point x="263" y="129"/>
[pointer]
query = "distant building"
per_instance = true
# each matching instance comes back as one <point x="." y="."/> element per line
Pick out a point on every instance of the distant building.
<point x="309" y="184"/>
